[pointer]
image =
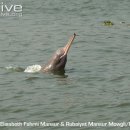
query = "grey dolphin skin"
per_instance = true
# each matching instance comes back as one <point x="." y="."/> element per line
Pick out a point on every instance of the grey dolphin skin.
<point x="59" y="59"/>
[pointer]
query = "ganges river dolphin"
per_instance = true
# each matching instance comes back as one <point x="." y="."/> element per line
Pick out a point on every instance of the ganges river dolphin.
<point x="58" y="61"/>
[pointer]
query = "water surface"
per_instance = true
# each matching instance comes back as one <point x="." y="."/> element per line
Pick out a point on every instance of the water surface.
<point x="96" y="84"/>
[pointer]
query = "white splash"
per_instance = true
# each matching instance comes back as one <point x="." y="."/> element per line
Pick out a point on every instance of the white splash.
<point x="10" y="67"/>
<point x="14" y="68"/>
<point x="33" y="69"/>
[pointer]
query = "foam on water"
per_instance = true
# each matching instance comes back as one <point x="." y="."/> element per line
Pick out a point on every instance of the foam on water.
<point x="33" y="69"/>
<point x="29" y="69"/>
<point x="15" y="68"/>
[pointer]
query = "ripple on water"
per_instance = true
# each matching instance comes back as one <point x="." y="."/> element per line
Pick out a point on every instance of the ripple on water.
<point x="125" y="104"/>
<point x="118" y="79"/>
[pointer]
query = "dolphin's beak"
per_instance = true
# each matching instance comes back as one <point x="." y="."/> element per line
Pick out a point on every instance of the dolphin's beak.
<point x="68" y="45"/>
